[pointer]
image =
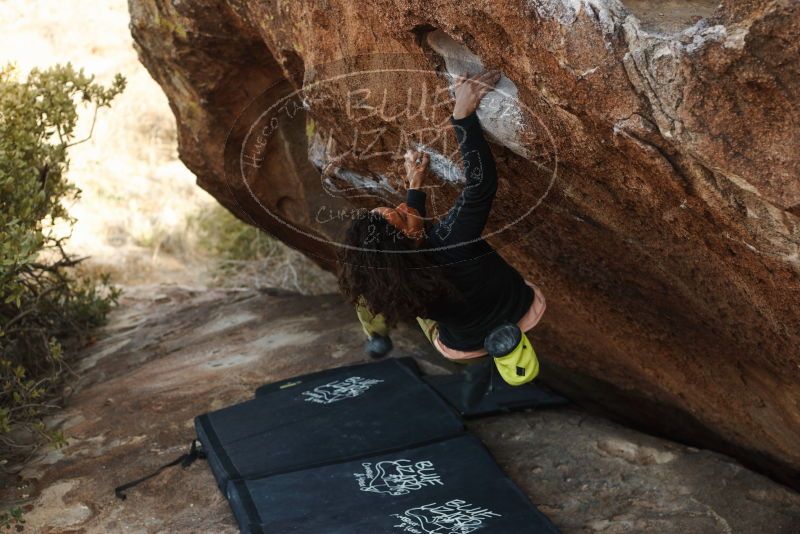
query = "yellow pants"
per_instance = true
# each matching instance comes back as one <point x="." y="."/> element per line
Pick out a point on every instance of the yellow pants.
<point x="371" y="323"/>
<point x="375" y="324"/>
<point x="517" y="368"/>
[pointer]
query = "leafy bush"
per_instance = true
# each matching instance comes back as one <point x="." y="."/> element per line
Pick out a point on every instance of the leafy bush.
<point x="244" y="256"/>
<point x="12" y="518"/>
<point x="227" y="238"/>
<point x="46" y="311"/>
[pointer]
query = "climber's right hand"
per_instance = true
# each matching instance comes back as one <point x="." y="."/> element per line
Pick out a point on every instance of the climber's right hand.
<point x="416" y="164"/>
<point x="470" y="91"/>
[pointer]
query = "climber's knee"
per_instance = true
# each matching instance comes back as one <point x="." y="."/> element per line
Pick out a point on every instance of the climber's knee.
<point x="372" y="324"/>
<point x="379" y="344"/>
<point x="513" y="354"/>
<point x="429" y="328"/>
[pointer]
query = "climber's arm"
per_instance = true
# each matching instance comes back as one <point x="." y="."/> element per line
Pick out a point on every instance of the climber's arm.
<point x="415" y="198"/>
<point x="467" y="219"/>
<point x="416" y="166"/>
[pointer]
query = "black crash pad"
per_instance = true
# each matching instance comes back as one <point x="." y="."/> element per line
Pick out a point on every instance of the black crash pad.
<point x="450" y="487"/>
<point x="336" y="373"/>
<point x="331" y="416"/>
<point x="455" y="389"/>
<point x="500" y="396"/>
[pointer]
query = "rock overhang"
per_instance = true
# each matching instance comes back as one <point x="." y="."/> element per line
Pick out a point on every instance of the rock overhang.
<point x="669" y="245"/>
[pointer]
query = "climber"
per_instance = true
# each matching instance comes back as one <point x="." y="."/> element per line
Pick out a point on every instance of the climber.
<point x="468" y="301"/>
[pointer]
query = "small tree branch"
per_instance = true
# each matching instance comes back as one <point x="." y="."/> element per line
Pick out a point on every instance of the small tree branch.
<point x="91" y="130"/>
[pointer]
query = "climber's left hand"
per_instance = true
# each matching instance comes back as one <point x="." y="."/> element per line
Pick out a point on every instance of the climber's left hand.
<point x="416" y="165"/>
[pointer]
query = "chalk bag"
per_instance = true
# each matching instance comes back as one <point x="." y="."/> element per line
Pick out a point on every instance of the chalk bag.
<point x="513" y="354"/>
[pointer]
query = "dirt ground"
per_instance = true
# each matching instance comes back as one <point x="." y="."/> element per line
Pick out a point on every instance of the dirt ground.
<point x="171" y="353"/>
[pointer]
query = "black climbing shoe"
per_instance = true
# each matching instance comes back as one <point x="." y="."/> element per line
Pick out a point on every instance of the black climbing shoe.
<point x="378" y="346"/>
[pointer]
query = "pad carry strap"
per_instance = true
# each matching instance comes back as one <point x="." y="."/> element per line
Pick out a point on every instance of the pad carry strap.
<point x="185" y="460"/>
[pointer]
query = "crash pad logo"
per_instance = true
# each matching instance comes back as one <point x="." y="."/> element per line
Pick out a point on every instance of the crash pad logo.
<point x="339" y="390"/>
<point x="397" y="477"/>
<point x="453" y="517"/>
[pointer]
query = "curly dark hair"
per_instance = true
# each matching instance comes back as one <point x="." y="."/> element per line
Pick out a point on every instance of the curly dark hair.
<point x="382" y="265"/>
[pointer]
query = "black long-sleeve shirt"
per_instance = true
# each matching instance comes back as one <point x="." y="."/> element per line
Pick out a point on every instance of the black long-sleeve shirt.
<point x="493" y="291"/>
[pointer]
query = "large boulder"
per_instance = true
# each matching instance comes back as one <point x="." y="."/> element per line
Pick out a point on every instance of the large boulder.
<point x="648" y="158"/>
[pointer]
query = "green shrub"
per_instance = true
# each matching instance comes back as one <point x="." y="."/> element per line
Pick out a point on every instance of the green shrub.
<point x="227" y="238"/>
<point x="46" y="311"/>
<point x="12" y="519"/>
<point x="244" y="256"/>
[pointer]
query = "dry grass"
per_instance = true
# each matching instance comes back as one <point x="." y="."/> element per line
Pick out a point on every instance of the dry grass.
<point x="138" y="200"/>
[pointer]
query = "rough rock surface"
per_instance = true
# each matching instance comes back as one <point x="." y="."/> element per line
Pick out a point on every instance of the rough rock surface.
<point x="171" y="353"/>
<point x="658" y="142"/>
